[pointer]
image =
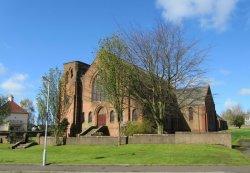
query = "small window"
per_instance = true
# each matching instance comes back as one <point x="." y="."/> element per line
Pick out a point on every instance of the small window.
<point x="90" y="117"/>
<point x="190" y="113"/>
<point x="135" y="115"/>
<point x="112" y="116"/>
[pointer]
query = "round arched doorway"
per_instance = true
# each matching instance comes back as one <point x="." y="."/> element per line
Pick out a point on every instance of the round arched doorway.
<point x="101" y="117"/>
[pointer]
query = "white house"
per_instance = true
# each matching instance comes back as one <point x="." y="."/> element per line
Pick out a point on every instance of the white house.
<point x="247" y="119"/>
<point x="18" y="118"/>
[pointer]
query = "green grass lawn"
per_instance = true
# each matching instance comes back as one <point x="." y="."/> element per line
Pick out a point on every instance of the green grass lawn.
<point x="237" y="134"/>
<point x="164" y="154"/>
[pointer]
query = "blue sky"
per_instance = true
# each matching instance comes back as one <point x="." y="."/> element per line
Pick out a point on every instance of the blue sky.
<point x="38" y="35"/>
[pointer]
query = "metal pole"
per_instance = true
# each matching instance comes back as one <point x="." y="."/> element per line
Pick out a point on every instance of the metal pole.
<point x="46" y="126"/>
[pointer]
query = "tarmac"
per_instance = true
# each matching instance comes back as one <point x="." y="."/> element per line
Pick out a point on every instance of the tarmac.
<point x="121" y="168"/>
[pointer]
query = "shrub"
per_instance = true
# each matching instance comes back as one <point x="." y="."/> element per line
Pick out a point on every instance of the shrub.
<point x="143" y="127"/>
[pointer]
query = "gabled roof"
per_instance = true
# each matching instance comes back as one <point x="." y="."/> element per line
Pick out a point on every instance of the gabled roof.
<point x="15" y="108"/>
<point x="192" y="96"/>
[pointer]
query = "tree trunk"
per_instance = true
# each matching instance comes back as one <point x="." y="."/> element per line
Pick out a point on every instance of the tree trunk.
<point x="159" y="128"/>
<point x="119" y="133"/>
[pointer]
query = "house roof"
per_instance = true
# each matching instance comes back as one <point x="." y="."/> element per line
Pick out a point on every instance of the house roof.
<point x="15" y="108"/>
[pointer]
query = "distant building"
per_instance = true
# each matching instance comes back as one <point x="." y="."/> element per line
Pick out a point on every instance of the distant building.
<point x="88" y="111"/>
<point x="18" y="118"/>
<point x="222" y="124"/>
<point x="247" y="119"/>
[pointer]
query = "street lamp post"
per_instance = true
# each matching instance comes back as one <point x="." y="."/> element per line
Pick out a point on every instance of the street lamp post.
<point x="46" y="123"/>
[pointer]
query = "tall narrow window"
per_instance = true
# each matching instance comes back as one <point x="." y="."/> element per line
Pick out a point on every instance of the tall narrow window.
<point x="190" y="113"/>
<point x="135" y="115"/>
<point x="120" y="117"/>
<point x="90" y="117"/>
<point x="71" y="73"/>
<point x="112" y="116"/>
<point x="83" y="117"/>
<point x="97" y="93"/>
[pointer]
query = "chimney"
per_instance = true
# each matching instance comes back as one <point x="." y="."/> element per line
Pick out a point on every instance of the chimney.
<point x="11" y="98"/>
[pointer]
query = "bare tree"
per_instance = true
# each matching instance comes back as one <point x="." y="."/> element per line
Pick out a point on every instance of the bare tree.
<point x="28" y="105"/>
<point x="164" y="61"/>
<point x="4" y="108"/>
<point x="235" y="115"/>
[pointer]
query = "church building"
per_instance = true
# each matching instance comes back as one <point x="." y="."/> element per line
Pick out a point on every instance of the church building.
<point x="88" y="113"/>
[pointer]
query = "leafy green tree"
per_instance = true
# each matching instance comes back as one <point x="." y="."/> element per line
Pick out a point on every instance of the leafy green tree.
<point x="238" y="120"/>
<point x="4" y="108"/>
<point x="54" y="77"/>
<point x="28" y="105"/>
<point x="113" y="75"/>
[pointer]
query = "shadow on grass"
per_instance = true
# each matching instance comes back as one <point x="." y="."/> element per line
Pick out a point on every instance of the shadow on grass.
<point x="100" y="157"/>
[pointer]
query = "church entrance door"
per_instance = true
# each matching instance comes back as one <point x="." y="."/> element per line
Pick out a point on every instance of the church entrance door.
<point x="101" y="117"/>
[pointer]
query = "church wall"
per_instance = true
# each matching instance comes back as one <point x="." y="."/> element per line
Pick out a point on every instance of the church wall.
<point x="88" y="105"/>
<point x="198" y="123"/>
<point x="211" y="114"/>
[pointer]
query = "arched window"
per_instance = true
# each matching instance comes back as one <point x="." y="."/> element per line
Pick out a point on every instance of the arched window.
<point x="112" y="116"/>
<point x="97" y="93"/>
<point x="135" y="115"/>
<point x="190" y="113"/>
<point x="90" y="117"/>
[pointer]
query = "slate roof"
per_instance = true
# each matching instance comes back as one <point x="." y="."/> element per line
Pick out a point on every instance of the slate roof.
<point x="192" y="96"/>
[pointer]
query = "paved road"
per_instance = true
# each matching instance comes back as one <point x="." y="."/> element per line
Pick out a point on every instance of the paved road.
<point x="119" y="168"/>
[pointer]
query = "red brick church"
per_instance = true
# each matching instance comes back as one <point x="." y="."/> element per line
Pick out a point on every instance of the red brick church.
<point x="88" y="113"/>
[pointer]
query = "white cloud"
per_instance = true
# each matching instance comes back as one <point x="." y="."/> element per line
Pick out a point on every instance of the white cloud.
<point x="230" y="103"/>
<point x="15" y="84"/>
<point x="245" y="91"/>
<point x="2" y="69"/>
<point x="210" y="13"/>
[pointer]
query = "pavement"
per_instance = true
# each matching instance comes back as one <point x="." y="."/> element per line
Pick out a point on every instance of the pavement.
<point x="121" y="168"/>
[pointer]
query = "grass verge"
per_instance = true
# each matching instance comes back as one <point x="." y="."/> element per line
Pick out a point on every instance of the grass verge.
<point x="140" y="154"/>
<point x="238" y="134"/>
